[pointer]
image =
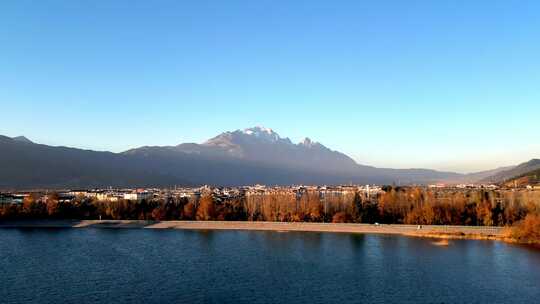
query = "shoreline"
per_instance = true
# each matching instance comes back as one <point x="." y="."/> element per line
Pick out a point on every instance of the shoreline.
<point x="426" y="231"/>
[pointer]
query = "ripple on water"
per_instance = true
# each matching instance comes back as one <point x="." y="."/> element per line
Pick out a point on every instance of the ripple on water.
<point x="176" y="266"/>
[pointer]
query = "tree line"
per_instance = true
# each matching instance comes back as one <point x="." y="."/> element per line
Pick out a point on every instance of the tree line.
<point x="394" y="205"/>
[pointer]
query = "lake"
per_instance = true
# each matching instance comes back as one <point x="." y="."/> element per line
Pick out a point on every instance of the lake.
<point x="182" y="266"/>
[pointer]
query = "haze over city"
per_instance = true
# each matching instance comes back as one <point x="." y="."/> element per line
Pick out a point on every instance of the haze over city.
<point x="424" y="84"/>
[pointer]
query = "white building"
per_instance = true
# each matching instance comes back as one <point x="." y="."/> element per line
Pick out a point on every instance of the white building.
<point x="138" y="196"/>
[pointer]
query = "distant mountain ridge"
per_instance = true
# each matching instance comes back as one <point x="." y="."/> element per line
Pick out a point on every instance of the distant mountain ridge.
<point x="241" y="157"/>
<point x="22" y="139"/>
<point x="519" y="170"/>
<point x="479" y="177"/>
<point x="531" y="178"/>
<point x="317" y="163"/>
<point x="263" y="145"/>
<point x="24" y="164"/>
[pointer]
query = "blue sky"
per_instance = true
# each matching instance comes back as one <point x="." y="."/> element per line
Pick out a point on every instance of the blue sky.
<point x="450" y="85"/>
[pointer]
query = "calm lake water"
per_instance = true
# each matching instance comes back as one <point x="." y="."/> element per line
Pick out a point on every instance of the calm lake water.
<point x="177" y="266"/>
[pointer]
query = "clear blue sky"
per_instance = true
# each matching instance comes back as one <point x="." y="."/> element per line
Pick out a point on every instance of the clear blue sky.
<point x="438" y="84"/>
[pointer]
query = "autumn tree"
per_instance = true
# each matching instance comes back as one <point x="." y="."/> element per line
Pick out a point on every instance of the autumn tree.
<point x="206" y="210"/>
<point x="189" y="211"/>
<point x="484" y="214"/>
<point x="52" y="204"/>
<point x="341" y="217"/>
<point x="33" y="207"/>
<point x="527" y="230"/>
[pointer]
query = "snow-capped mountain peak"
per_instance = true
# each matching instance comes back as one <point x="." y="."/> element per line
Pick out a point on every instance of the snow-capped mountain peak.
<point x="262" y="132"/>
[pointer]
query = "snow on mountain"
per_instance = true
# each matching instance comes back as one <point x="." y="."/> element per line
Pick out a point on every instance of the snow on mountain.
<point x="250" y="135"/>
<point x="262" y="132"/>
<point x="253" y="155"/>
<point x="258" y="148"/>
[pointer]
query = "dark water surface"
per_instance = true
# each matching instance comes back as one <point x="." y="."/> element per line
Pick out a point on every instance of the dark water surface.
<point x="177" y="266"/>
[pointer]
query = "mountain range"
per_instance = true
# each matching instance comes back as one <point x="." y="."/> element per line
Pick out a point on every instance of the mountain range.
<point x="241" y="157"/>
<point x="510" y="173"/>
<point x="531" y="178"/>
